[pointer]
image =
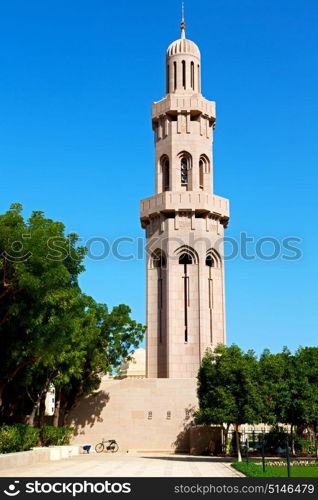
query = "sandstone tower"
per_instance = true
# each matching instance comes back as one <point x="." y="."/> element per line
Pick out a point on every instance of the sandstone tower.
<point x="184" y="223"/>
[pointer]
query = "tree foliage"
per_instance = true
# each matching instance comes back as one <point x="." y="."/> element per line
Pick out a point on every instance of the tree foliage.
<point x="236" y="388"/>
<point x="50" y="331"/>
<point x="227" y="390"/>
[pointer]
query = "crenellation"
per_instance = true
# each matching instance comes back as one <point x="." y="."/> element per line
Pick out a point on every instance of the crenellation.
<point x="192" y="104"/>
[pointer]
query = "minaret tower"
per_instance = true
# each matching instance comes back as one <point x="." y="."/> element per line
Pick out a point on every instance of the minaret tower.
<point x="184" y="224"/>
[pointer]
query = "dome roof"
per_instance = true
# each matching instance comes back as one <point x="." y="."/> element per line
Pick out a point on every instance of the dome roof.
<point x="136" y="367"/>
<point x="183" y="46"/>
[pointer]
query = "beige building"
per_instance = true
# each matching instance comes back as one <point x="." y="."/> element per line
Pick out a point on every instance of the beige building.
<point x="150" y="406"/>
<point x="136" y="368"/>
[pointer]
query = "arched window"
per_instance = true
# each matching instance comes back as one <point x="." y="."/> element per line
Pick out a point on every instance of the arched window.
<point x="213" y="258"/>
<point x="185" y="166"/>
<point x="184" y="77"/>
<point x="159" y="262"/>
<point x="205" y="163"/>
<point x="209" y="261"/>
<point x="165" y="169"/>
<point x="192" y="75"/>
<point x="187" y="256"/>
<point x="168" y="79"/>
<point x="184" y="172"/>
<point x="185" y="259"/>
<point x="213" y="261"/>
<point x="175" y="75"/>
<point x="204" y="168"/>
<point x="201" y="173"/>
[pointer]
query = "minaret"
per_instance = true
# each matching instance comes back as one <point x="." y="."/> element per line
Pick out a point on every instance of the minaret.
<point x="184" y="225"/>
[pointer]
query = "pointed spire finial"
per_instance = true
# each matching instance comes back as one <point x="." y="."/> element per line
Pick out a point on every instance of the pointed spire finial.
<point x="183" y="23"/>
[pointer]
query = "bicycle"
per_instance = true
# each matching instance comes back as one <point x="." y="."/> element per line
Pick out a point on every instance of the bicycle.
<point x="112" y="446"/>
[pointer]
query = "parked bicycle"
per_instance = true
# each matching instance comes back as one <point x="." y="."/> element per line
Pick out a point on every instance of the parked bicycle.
<point x="107" y="445"/>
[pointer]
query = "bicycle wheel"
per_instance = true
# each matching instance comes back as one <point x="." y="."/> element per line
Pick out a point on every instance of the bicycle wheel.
<point x="114" y="448"/>
<point x="99" y="448"/>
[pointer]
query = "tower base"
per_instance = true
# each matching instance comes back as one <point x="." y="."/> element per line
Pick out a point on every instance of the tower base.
<point x="142" y="415"/>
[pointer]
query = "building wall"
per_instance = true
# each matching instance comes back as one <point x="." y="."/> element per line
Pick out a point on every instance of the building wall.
<point x="121" y="411"/>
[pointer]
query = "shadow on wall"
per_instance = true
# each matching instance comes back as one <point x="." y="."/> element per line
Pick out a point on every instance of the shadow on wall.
<point x="182" y="443"/>
<point x="205" y="440"/>
<point x="88" y="412"/>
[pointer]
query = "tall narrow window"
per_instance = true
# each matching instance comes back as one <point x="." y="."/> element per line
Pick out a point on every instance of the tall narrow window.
<point x="175" y="75"/>
<point x="165" y="168"/>
<point x="210" y="263"/>
<point x="168" y="79"/>
<point x="185" y="167"/>
<point x="160" y="303"/>
<point x="199" y="79"/>
<point x="201" y="173"/>
<point x="211" y="308"/>
<point x="192" y="75"/>
<point x="184" y="76"/>
<point x="210" y="293"/>
<point x="184" y="172"/>
<point x="204" y="168"/>
<point x="160" y="263"/>
<point x="185" y="260"/>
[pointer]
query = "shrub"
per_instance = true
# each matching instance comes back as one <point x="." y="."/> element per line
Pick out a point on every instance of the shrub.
<point x="304" y="445"/>
<point x="275" y="439"/>
<point x="56" y="436"/>
<point x="17" y="437"/>
<point x="9" y="439"/>
<point x="278" y="436"/>
<point x="29" y="436"/>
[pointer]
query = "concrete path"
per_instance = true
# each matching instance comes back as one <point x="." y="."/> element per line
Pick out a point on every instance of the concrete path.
<point x="128" y="465"/>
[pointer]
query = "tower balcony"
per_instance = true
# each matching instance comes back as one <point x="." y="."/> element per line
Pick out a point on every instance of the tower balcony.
<point x="202" y="203"/>
<point x="174" y="104"/>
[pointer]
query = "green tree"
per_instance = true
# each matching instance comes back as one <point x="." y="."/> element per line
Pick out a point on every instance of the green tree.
<point x="39" y="267"/>
<point x="77" y="328"/>
<point x="113" y="341"/>
<point x="285" y="389"/>
<point x="50" y="332"/>
<point x="228" y="389"/>
<point x="307" y="370"/>
<point x="272" y="377"/>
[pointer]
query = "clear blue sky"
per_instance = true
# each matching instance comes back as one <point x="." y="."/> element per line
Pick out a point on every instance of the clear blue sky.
<point x="76" y="86"/>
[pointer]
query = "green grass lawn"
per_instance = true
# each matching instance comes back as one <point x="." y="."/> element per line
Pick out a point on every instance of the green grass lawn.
<point x="253" y="470"/>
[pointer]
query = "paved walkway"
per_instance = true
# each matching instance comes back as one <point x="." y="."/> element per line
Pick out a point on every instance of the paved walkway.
<point x="128" y="465"/>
